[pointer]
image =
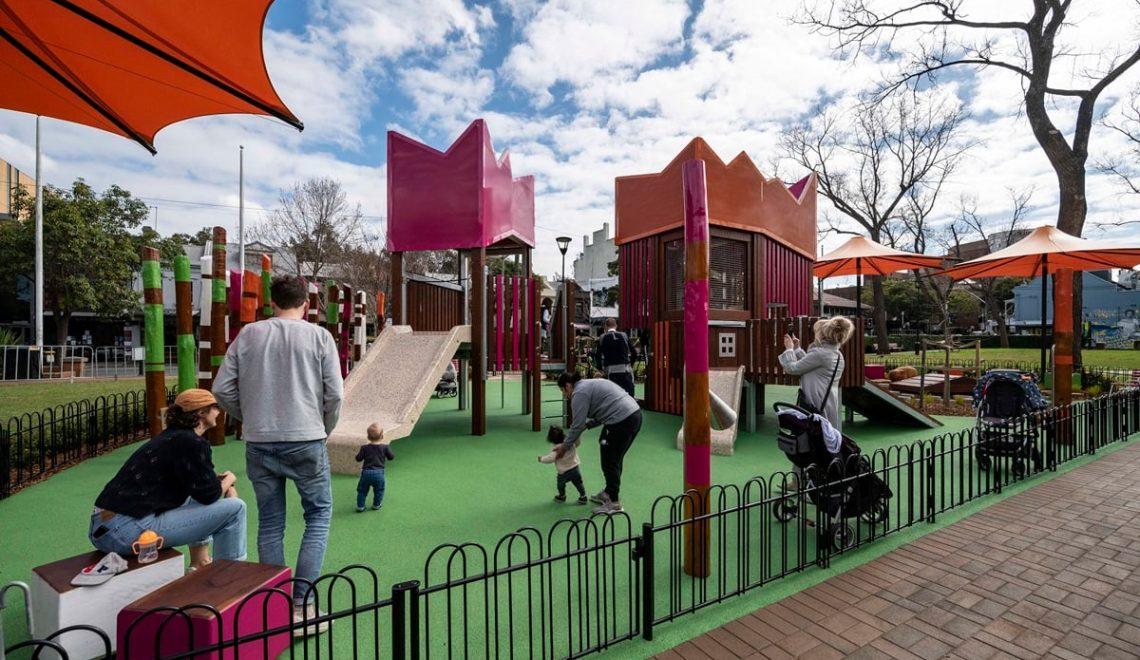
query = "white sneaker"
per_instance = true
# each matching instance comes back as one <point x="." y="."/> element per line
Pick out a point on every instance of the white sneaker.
<point x="307" y="612"/>
<point x="608" y="508"/>
<point x="601" y="498"/>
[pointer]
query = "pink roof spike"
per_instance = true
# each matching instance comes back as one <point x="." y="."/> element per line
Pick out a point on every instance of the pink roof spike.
<point x="462" y="198"/>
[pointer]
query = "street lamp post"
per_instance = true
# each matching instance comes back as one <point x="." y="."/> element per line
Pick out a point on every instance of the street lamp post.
<point x="563" y="245"/>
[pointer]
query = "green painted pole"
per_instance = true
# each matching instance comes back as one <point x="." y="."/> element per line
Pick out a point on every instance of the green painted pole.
<point x="266" y="280"/>
<point x="184" y="310"/>
<point x="332" y="309"/>
<point x="154" y="366"/>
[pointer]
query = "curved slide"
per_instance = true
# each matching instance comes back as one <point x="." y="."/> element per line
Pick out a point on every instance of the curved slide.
<point x="392" y="385"/>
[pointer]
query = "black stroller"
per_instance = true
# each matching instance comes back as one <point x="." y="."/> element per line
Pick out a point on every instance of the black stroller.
<point x="448" y="385"/>
<point x="850" y="490"/>
<point x="1005" y="426"/>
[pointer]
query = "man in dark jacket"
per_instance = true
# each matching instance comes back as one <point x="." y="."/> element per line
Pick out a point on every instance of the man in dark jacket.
<point x="616" y="356"/>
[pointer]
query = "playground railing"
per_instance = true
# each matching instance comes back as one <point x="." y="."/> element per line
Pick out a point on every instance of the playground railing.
<point x="586" y="585"/>
<point x="75" y="362"/>
<point x="35" y="445"/>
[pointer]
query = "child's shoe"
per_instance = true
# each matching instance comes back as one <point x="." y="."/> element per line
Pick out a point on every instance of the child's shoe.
<point x="377" y="507"/>
<point x="559" y="498"/>
<point x="360" y="509"/>
<point x="582" y="499"/>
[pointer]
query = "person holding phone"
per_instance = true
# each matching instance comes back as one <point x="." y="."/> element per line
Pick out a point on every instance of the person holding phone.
<point x="820" y="368"/>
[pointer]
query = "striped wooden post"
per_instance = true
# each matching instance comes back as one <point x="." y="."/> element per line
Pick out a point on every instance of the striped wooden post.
<point x="1062" y="336"/>
<point x="696" y="425"/>
<point x="332" y="308"/>
<point x="380" y="312"/>
<point x="218" y="322"/>
<point x="516" y="331"/>
<point x="155" y="366"/>
<point x="205" y="306"/>
<point x="233" y="305"/>
<point x="251" y="291"/>
<point x="360" y="327"/>
<point x="344" y="338"/>
<point x="266" y="281"/>
<point x="184" y="310"/>
<point x="314" y="315"/>
<point x="499" y="318"/>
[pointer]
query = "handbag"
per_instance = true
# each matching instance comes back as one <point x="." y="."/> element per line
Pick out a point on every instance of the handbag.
<point x="802" y="400"/>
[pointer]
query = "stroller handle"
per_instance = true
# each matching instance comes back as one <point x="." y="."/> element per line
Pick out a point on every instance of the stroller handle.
<point x="776" y="407"/>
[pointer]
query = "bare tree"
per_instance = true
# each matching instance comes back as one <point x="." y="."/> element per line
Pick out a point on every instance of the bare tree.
<point x="875" y="160"/>
<point x="925" y="235"/>
<point x="928" y="37"/>
<point x="1123" y="167"/>
<point x="315" y="225"/>
<point x="994" y="291"/>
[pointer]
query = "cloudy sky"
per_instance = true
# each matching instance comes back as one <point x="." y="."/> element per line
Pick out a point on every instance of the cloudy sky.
<point x="579" y="91"/>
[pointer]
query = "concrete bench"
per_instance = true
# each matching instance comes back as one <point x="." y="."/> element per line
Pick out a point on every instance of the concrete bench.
<point x="248" y="598"/>
<point x="57" y="604"/>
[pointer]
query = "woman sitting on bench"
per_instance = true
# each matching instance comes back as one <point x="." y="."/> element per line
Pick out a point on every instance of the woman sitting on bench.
<point x="169" y="486"/>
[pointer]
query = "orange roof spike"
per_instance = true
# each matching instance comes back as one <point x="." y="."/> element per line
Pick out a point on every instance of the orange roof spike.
<point x="740" y="197"/>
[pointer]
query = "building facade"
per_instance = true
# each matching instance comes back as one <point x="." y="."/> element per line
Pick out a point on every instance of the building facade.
<point x="12" y="179"/>
<point x="1110" y="310"/>
<point x="593" y="262"/>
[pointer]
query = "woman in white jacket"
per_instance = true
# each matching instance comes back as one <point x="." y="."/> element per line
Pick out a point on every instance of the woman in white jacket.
<point x="820" y="368"/>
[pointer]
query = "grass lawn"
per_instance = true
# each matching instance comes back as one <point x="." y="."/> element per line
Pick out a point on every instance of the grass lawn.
<point x="34" y="396"/>
<point x="1114" y="359"/>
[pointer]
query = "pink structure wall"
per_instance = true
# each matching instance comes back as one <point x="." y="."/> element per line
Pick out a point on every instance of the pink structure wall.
<point x="461" y="198"/>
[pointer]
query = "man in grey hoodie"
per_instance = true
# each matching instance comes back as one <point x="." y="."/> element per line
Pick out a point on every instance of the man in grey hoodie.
<point x="281" y="379"/>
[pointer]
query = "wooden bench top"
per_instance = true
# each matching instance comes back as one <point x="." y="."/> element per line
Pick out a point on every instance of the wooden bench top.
<point x="58" y="574"/>
<point x="220" y="585"/>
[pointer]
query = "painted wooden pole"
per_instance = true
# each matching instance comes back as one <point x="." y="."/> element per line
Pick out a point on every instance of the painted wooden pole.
<point x="1062" y="337"/>
<point x="332" y="308"/>
<point x="380" y="312"/>
<point x="696" y="325"/>
<point x="251" y="291"/>
<point x="155" y="366"/>
<point x="266" y="281"/>
<point x="233" y="305"/>
<point x="533" y="341"/>
<point x="478" y="301"/>
<point x="218" y="320"/>
<point x="499" y="317"/>
<point x="184" y="310"/>
<point x="314" y="314"/>
<point x="205" y="305"/>
<point x="344" y="338"/>
<point x="360" y="327"/>
<point x="516" y="330"/>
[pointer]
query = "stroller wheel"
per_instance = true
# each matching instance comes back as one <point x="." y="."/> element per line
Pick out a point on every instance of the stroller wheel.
<point x="842" y="537"/>
<point x="1018" y="468"/>
<point x="876" y="513"/>
<point x="983" y="460"/>
<point x="785" y="510"/>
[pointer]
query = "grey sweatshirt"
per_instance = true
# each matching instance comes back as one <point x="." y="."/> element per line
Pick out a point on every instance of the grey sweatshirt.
<point x="814" y="367"/>
<point x="281" y="378"/>
<point x="597" y="401"/>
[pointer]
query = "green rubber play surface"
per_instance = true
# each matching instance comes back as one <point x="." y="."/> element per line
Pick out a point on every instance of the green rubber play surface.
<point x="445" y="486"/>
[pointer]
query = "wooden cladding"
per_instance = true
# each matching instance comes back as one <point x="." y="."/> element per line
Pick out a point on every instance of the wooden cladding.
<point x="728" y="274"/>
<point x="768" y="344"/>
<point x="786" y="280"/>
<point x="433" y="307"/>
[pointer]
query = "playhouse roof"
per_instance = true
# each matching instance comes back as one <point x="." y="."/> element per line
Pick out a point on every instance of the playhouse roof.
<point x="461" y="198"/>
<point x="740" y="197"/>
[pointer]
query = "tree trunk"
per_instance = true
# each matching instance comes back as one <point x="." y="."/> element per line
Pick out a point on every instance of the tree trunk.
<point x="62" y="319"/>
<point x="1003" y="330"/>
<point x="878" y="301"/>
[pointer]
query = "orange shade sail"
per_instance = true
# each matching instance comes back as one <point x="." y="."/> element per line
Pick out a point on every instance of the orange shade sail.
<point x="132" y="68"/>
<point x="1047" y="249"/>
<point x="862" y="256"/>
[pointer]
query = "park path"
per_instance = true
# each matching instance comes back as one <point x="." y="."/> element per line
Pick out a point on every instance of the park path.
<point x="1052" y="572"/>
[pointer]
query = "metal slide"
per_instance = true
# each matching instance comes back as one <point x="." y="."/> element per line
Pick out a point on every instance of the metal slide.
<point x="392" y="385"/>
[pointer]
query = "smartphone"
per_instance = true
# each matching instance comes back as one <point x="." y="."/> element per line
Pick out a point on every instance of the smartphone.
<point x="791" y="330"/>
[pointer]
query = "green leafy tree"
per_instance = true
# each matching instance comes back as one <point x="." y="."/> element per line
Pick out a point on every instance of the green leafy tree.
<point x="964" y="308"/>
<point x="905" y="299"/>
<point x="90" y="254"/>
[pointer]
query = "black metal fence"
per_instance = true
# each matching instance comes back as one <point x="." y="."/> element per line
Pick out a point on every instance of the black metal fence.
<point x="35" y="445"/>
<point x="586" y="585"/>
<point x="935" y="362"/>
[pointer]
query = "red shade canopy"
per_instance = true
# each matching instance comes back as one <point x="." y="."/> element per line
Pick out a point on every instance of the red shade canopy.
<point x="132" y="68"/>
<point x="1047" y="249"/>
<point x="861" y="256"/>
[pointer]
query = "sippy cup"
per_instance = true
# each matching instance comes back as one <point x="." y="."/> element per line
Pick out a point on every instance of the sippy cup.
<point x="147" y="546"/>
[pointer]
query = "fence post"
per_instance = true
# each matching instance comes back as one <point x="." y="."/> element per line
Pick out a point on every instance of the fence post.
<point x="5" y="463"/>
<point x="930" y="485"/>
<point x="647" y="595"/>
<point x="399" y="624"/>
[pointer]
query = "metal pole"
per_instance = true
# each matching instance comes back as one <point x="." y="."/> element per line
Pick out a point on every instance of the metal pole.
<point x="858" y="288"/>
<point x="565" y="315"/>
<point x="241" y="210"/>
<point x="39" y="303"/>
<point x="1044" y="299"/>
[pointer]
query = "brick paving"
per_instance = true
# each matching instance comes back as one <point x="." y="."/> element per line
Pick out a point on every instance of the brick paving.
<point x="1051" y="572"/>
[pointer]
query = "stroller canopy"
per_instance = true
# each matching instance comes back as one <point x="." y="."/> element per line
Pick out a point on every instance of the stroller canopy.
<point x="1023" y="379"/>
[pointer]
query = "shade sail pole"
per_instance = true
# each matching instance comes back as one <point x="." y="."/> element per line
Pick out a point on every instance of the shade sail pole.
<point x="1044" y="300"/>
<point x="38" y="310"/>
<point x="241" y="210"/>
<point x="858" y="287"/>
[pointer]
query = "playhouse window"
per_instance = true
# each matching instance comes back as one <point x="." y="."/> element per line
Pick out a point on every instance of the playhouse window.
<point x="727" y="273"/>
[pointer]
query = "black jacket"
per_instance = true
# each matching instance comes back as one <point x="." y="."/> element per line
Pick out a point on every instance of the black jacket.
<point x="614" y="348"/>
<point x="160" y="475"/>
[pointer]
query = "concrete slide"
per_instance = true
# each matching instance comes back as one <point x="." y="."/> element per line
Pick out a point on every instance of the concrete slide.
<point x="392" y="385"/>
<point x="728" y="384"/>
<point x="878" y="405"/>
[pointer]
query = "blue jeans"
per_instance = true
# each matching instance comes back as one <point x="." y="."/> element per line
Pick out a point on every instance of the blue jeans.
<point x="306" y="464"/>
<point x="191" y="524"/>
<point x="371" y="478"/>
